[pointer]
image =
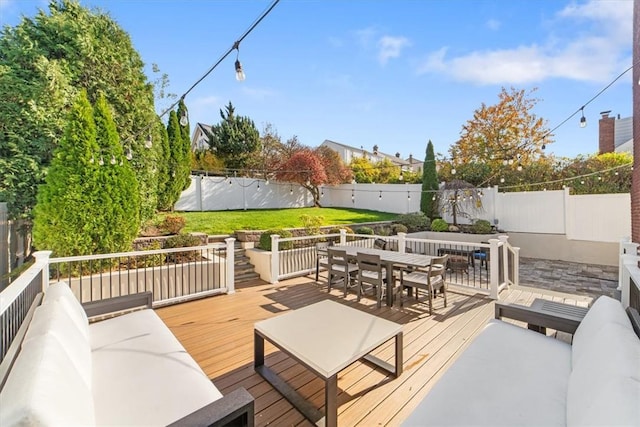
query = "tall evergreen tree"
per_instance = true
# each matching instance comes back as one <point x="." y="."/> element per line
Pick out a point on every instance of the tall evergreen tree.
<point x="115" y="199"/>
<point x="62" y="222"/>
<point x="234" y="139"/>
<point x="183" y="169"/>
<point x="179" y="164"/>
<point x="45" y="60"/>
<point x="164" y="181"/>
<point x="429" y="196"/>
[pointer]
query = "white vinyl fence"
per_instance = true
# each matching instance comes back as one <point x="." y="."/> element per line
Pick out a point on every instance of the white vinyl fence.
<point x="598" y="217"/>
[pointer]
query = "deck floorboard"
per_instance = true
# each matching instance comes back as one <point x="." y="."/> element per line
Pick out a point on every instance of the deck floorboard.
<point x="218" y="333"/>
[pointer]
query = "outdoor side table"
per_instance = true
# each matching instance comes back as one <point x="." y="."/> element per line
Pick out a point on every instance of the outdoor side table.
<point x="564" y="317"/>
<point x="325" y="338"/>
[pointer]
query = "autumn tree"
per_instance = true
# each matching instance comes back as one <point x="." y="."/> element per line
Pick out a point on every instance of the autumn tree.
<point x="234" y="139"/>
<point x="270" y="154"/>
<point x="363" y="169"/>
<point x="507" y="135"/>
<point x="313" y="168"/>
<point x="428" y="197"/>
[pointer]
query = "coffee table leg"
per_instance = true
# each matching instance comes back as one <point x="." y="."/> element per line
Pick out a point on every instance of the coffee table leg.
<point x="399" y="357"/>
<point x="258" y="350"/>
<point x="331" y="401"/>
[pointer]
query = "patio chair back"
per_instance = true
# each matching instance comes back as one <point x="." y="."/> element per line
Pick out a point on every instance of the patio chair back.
<point x="340" y="269"/>
<point x="370" y="272"/>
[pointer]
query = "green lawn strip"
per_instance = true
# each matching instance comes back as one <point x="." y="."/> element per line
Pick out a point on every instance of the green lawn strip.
<point x="226" y="222"/>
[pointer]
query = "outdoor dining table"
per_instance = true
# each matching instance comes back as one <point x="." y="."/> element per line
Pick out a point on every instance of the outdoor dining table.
<point x="391" y="259"/>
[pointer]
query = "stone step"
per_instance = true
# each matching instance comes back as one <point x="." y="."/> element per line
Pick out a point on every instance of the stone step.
<point x="245" y="277"/>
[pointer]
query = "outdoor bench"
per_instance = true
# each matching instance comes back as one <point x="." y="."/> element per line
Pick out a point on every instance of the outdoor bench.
<point x="125" y="370"/>
<point x="513" y="376"/>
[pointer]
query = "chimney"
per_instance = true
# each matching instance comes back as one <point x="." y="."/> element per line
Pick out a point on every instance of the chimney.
<point x="606" y="132"/>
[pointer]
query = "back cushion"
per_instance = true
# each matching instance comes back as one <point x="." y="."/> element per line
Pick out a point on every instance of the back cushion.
<point x="45" y="389"/>
<point x="604" y="311"/>
<point x="60" y="293"/>
<point x="604" y="385"/>
<point x="53" y="319"/>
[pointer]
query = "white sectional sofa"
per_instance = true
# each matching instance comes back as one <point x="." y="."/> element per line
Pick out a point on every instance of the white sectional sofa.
<point x="126" y="370"/>
<point x="512" y="376"/>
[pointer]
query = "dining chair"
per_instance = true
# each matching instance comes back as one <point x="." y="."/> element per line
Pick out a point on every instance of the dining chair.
<point x="430" y="279"/>
<point x="340" y="269"/>
<point x="371" y="272"/>
<point x="322" y="257"/>
<point x="380" y="243"/>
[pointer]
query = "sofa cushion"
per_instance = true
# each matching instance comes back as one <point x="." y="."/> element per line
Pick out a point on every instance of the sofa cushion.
<point x="45" y="389"/>
<point x="604" y="386"/>
<point x="507" y="376"/>
<point x="60" y="293"/>
<point x="603" y="311"/>
<point x="54" y="320"/>
<point x="140" y="368"/>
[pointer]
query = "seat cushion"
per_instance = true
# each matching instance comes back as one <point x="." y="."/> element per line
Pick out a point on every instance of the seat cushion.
<point x="141" y="373"/>
<point x="604" y="386"/>
<point x="605" y="310"/>
<point x="507" y="376"/>
<point x="45" y="389"/>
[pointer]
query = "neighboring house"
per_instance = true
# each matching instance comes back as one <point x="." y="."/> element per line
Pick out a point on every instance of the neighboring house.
<point x="200" y="138"/>
<point x="415" y="165"/>
<point x="615" y="134"/>
<point x="348" y="153"/>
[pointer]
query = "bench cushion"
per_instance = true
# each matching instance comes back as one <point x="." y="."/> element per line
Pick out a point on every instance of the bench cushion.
<point x="61" y="293"/>
<point x="141" y="368"/>
<point x="605" y="310"/>
<point x="53" y="319"/>
<point x="507" y="376"/>
<point x="604" y="386"/>
<point x="45" y="389"/>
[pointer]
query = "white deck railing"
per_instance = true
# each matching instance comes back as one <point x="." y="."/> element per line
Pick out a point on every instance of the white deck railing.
<point x="487" y="267"/>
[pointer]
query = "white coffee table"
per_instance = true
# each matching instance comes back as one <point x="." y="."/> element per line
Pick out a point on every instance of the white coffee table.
<point x="325" y="337"/>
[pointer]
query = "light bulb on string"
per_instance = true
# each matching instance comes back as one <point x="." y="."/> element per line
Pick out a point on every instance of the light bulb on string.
<point x="453" y="171"/>
<point x="129" y="154"/>
<point x="92" y="160"/>
<point x="434" y="197"/>
<point x="184" y="119"/>
<point x="583" y="119"/>
<point x="408" y="195"/>
<point x="502" y="180"/>
<point x="519" y="168"/>
<point x="149" y="142"/>
<point x="266" y="182"/>
<point x="380" y="196"/>
<point x="239" y="71"/>
<point x="290" y="189"/>
<point x="113" y="160"/>
<point x="101" y="161"/>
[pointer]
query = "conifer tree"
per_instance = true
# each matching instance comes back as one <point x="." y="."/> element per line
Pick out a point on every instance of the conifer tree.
<point x="164" y="181"/>
<point x="115" y="195"/>
<point x="62" y="222"/>
<point x="429" y="184"/>
<point x="179" y="164"/>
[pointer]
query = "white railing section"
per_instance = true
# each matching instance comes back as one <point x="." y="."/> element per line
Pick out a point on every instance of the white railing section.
<point x="487" y="267"/>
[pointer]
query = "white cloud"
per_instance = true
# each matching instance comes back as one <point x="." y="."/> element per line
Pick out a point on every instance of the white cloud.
<point x="597" y="54"/>
<point x="391" y="47"/>
<point x="365" y="36"/>
<point x="493" y="24"/>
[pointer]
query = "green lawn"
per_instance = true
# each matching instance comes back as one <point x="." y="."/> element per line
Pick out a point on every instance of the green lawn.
<point x="226" y="222"/>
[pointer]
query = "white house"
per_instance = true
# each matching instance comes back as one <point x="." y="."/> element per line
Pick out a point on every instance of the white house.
<point x="348" y="153"/>
<point x="200" y="137"/>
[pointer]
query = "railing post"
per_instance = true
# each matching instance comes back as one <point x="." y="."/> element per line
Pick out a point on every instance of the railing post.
<point x="275" y="258"/>
<point x="505" y="257"/>
<point x="494" y="276"/>
<point x="231" y="260"/>
<point x="42" y="259"/>
<point x="343" y="236"/>
<point x="627" y="247"/>
<point x="516" y="265"/>
<point x="401" y="241"/>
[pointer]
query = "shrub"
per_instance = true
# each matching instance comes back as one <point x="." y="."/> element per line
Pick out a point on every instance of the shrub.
<point x="336" y="230"/>
<point x="416" y="221"/>
<point x="311" y="224"/>
<point x="172" y="224"/>
<point x="364" y="230"/>
<point x="481" y="226"/>
<point x="182" y="241"/>
<point x="265" y="239"/>
<point x="399" y="228"/>
<point x="439" y="225"/>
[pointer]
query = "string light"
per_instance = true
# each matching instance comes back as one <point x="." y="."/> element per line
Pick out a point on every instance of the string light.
<point x="290" y="189"/>
<point x="184" y="118"/>
<point x="149" y="142"/>
<point x="129" y="154"/>
<point x="113" y="160"/>
<point x="101" y="161"/>
<point x="380" y="196"/>
<point x="583" y="119"/>
<point x="239" y="72"/>
<point x="408" y="195"/>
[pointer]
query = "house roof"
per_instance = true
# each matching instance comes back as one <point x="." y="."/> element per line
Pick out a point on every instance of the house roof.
<point x="395" y="159"/>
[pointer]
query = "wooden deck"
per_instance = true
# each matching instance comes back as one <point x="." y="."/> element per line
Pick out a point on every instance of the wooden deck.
<point x="218" y="333"/>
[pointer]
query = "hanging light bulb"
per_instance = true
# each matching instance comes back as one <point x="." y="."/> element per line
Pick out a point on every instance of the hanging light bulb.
<point x="113" y="160"/>
<point x="380" y="196"/>
<point x="239" y="72"/>
<point x="434" y="197"/>
<point x="583" y="119"/>
<point x="129" y="154"/>
<point x="101" y="161"/>
<point x="258" y="186"/>
<point x="519" y="168"/>
<point x="290" y="189"/>
<point x="322" y="193"/>
<point x="401" y="177"/>
<point x="543" y="146"/>
<point x="502" y="180"/>
<point x="453" y="171"/>
<point x="408" y="196"/>
<point x="353" y="196"/>
<point x="184" y="119"/>
<point x="92" y="160"/>
<point x="121" y="162"/>
<point x="266" y="182"/>
<point x="149" y="142"/>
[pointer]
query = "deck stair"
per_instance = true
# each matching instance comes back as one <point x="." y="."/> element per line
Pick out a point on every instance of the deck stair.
<point x="243" y="268"/>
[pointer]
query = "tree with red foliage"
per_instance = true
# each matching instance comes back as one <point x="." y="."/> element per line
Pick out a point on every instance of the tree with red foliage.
<point x="313" y="168"/>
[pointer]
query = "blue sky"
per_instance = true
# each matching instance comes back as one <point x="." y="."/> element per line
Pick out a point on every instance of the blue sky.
<point x="389" y="73"/>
